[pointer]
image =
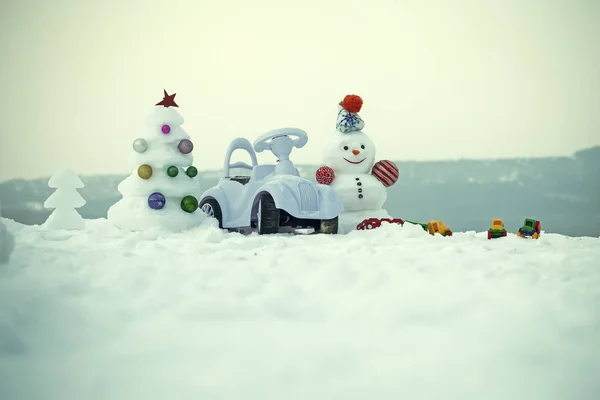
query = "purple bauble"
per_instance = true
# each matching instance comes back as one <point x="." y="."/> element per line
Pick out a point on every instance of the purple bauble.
<point x="186" y="146"/>
<point x="156" y="201"/>
<point x="165" y="129"/>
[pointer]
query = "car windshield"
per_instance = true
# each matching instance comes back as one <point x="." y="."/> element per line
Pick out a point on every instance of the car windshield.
<point x="239" y="172"/>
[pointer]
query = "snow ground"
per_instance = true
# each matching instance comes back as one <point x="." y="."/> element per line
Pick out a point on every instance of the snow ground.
<point x="386" y="314"/>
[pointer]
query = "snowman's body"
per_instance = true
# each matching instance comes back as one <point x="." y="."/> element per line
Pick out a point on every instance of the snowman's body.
<point x="351" y="155"/>
<point x="359" y="192"/>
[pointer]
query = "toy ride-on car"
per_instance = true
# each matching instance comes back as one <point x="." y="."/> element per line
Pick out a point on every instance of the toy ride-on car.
<point x="274" y="197"/>
<point x="531" y="228"/>
<point x="497" y="230"/>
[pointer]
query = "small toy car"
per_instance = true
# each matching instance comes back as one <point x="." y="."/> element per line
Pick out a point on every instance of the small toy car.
<point x="434" y="227"/>
<point x="531" y="228"/>
<point x="497" y="230"/>
<point x="273" y="196"/>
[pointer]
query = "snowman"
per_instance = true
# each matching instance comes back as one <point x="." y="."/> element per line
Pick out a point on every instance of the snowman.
<point x="350" y="169"/>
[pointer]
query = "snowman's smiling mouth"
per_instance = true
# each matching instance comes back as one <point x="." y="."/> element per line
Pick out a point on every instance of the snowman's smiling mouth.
<point x="354" y="162"/>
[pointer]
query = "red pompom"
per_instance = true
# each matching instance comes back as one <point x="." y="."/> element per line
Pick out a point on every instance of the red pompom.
<point x="352" y="103"/>
<point x="386" y="172"/>
<point x="325" y="175"/>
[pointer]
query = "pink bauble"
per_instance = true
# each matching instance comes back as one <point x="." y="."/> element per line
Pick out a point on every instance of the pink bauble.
<point x="186" y="146"/>
<point x="165" y="129"/>
<point x="386" y="172"/>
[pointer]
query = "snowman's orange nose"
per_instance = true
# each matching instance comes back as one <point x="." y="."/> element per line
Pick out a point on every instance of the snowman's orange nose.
<point x="355" y="152"/>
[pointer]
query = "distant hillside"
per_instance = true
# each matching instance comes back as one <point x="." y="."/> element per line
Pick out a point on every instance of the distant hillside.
<point x="562" y="192"/>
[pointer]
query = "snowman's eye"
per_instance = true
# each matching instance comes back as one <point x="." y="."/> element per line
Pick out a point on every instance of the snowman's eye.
<point x="362" y="146"/>
<point x="345" y="147"/>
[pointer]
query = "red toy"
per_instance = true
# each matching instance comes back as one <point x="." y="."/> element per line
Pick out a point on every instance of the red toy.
<point x="372" y="223"/>
<point x="386" y="172"/>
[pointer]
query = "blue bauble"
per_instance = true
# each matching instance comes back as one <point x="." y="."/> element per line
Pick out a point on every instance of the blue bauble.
<point x="156" y="201"/>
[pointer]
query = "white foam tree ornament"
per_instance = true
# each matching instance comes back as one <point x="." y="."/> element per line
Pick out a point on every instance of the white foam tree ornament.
<point x="64" y="201"/>
<point x="162" y="190"/>
<point x="7" y="242"/>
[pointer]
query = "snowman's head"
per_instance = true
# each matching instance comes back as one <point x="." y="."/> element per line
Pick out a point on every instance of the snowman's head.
<point x="351" y="152"/>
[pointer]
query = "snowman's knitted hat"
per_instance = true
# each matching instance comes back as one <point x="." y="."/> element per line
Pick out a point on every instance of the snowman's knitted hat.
<point x="348" y="119"/>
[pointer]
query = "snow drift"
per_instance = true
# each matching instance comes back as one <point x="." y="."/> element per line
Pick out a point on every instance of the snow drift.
<point x="386" y="314"/>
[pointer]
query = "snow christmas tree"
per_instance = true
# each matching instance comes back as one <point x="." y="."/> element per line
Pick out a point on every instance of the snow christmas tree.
<point x="64" y="201"/>
<point x="162" y="191"/>
<point x="7" y="242"/>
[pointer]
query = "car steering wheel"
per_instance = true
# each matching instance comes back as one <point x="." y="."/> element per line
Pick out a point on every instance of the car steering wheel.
<point x="264" y="141"/>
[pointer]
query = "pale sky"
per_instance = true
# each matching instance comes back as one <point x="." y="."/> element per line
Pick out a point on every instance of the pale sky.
<point x="439" y="79"/>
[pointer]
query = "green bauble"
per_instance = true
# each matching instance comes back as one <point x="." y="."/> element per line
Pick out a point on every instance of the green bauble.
<point x="189" y="204"/>
<point x="172" y="171"/>
<point x="191" y="171"/>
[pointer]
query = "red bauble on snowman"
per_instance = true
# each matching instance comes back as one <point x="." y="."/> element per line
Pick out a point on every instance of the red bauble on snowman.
<point x="325" y="175"/>
<point x="350" y="167"/>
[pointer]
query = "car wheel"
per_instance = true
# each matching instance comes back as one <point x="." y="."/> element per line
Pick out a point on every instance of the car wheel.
<point x="268" y="215"/>
<point x="212" y="209"/>
<point x="329" y="226"/>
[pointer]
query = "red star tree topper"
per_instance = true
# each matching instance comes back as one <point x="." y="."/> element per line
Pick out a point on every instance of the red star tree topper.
<point x="168" y="100"/>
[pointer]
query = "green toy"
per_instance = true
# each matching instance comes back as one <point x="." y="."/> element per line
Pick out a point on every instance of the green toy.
<point x="433" y="227"/>
<point x="424" y="226"/>
<point x="531" y="228"/>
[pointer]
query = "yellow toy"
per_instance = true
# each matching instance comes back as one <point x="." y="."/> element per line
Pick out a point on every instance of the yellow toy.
<point x="497" y="230"/>
<point x="434" y="227"/>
